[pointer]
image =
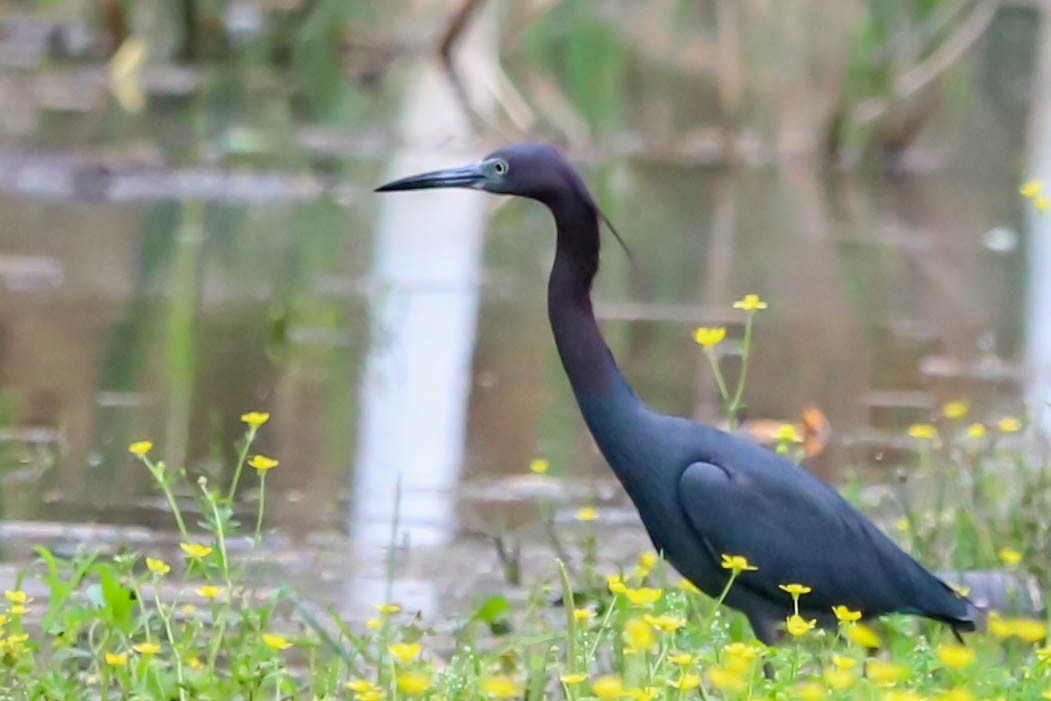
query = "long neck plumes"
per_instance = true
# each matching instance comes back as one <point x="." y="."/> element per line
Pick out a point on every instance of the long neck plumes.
<point x="592" y="371"/>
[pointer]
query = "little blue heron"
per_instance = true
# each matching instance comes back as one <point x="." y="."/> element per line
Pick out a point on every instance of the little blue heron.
<point x="703" y="493"/>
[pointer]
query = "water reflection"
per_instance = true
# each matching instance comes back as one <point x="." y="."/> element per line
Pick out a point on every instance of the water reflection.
<point x="424" y="289"/>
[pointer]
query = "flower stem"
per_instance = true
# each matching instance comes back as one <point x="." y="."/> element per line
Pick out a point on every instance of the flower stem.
<point x="262" y="501"/>
<point x="241" y="458"/>
<point x="746" y="347"/>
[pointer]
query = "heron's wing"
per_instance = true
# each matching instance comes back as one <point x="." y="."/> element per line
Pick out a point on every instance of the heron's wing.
<point x="797" y="529"/>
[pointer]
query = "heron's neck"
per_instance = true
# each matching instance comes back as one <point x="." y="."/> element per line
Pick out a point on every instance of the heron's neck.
<point x="597" y="382"/>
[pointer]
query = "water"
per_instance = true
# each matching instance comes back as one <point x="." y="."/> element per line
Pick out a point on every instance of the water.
<point x="401" y="343"/>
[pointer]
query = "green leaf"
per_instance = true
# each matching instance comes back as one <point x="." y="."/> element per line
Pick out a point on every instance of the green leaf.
<point x="493" y="609"/>
<point x="118" y="601"/>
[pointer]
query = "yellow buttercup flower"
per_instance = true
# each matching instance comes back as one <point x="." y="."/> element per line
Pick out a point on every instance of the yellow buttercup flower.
<point x="255" y="418"/>
<point x="709" y="337"/>
<point x="573" y="679"/>
<point x="583" y="614"/>
<point x="646" y="693"/>
<point x="862" y="635"/>
<point x="1010" y="556"/>
<point x="210" y="591"/>
<point x="196" y="550"/>
<point x="925" y="432"/>
<point x="638" y="634"/>
<point x="405" y="652"/>
<point x="797" y="625"/>
<point x="1042" y="203"/>
<point x="955" y="655"/>
<point x="682" y="658"/>
<point x="117" y="659"/>
<point x="665" y="623"/>
<point x="648" y="560"/>
<point x="413" y="683"/>
<point x="539" y="466"/>
<point x="140" y="448"/>
<point x="725" y="679"/>
<point x="685" y="682"/>
<point x="609" y="686"/>
<point x="1009" y="424"/>
<point x="845" y="615"/>
<point x="616" y="584"/>
<point x="787" y="433"/>
<point x="810" y="691"/>
<point x="1031" y="630"/>
<point x="275" y="641"/>
<point x="643" y="596"/>
<point x="956" y="409"/>
<point x="19" y="610"/>
<point x="840" y="679"/>
<point x="359" y="685"/>
<point x="1032" y="188"/>
<point x="740" y="657"/>
<point x="844" y="662"/>
<point x="587" y="513"/>
<point x="262" y="463"/>
<point x="388" y="608"/>
<point x="373" y="624"/>
<point x="885" y="673"/>
<point x="795" y="589"/>
<point x="17" y="596"/>
<point x="147" y="648"/>
<point x="737" y="563"/>
<point x="500" y="687"/>
<point x="976" y="431"/>
<point x="157" y="566"/>
<point x="750" y="303"/>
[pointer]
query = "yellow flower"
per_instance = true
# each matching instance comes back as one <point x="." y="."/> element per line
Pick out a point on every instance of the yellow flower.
<point x="194" y="661"/>
<point x="863" y="635"/>
<point x="1042" y="203"/>
<point x="539" y="466"/>
<point x="843" y="662"/>
<point x="797" y="625"/>
<point x="956" y="410"/>
<point x="737" y="563"/>
<point x="276" y="641"/>
<point x="196" y="550"/>
<point x="685" y="682"/>
<point x="255" y="418"/>
<point x="210" y="591"/>
<point x="1031" y="630"/>
<point x="360" y="685"/>
<point x="682" y="658"/>
<point x="405" y="652"/>
<point x="688" y="586"/>
<point x="573" y="679"/>
<point x="648" y="560"/>
<point x="19" y="610"/>
<point x="840" y="679"/>
<point x="643" y="596"/>
<point x="787" y="433"/>
<point x="371" y="695"/>
<point x="500" y="687"/>
<point x="117" y="659"/>
<point x="587" y="513"/>
<point x="638" y="634"/>
<point x="388" y="609"/>
<point x="1009" y="424"/>
<point x="140" y="448"/>
<point x="955" y="655"/>
<point x="709" y="337"/>
<point x="902" y="524"/>
<point x="885" y="673"/>
<point x="616" y="584"/>
<point x="810" y="691"/>
<point x="925" y="432"/>
<point x="583" y="614"/>
<point x="17" y="596"/>
<point x="740" y="657"/>
<point x="609" y="686"/>
<point x="750" y="303"/>
<point x="412" y="683"/>
<point x="957" y="694"/>
<point x="147" y="648"/>
<point x="646" y="693"/>
<point x="726" y="679"/>
<point x="999" y="626"/>
<point x="262" y="463"/>
<point x="1010" y="556"/>
<point x="157" y="566"/>
<point x="795" y="589"/>
<point x="1032" y="188"/>
<point x="845" y="615"/>
<point x="666" y="623"/>
<point x="1044" y="654"/>
<point x="976" y="431"/>
<point x="373" y="624"/>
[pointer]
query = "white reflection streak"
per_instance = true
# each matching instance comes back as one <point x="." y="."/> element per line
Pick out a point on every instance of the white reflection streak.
<point x="417" y="377"/>
<point x="1038" y="323"/>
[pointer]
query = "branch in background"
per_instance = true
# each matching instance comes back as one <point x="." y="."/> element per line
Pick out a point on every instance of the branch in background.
<point x="455" y="29"/>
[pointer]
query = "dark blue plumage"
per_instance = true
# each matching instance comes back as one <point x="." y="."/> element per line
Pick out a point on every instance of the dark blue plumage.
<point x="700" y="492"/>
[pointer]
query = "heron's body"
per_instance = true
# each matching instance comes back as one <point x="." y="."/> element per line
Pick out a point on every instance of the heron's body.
<point x="701" y="492"/>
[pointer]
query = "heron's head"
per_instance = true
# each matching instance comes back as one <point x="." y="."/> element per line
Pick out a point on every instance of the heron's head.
<point x="532" y="170"/>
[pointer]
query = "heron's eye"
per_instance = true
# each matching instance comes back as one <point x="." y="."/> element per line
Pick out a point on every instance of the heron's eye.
<point x="500" y="166"/>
